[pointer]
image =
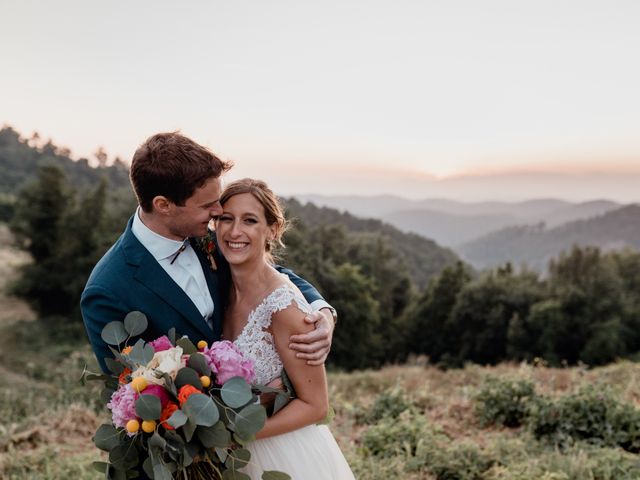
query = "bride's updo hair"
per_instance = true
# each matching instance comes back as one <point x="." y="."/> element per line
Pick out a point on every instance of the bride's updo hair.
<point x="273" y="211"/>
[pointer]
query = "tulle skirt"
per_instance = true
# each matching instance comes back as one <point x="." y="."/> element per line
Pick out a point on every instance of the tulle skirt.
<point x="309" y="453"/>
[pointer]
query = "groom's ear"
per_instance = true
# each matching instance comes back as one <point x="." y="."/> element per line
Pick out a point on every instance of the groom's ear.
<point x="162" y="204"/>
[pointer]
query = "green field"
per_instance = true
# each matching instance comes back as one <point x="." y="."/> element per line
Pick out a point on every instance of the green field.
<point x="411" y="421"/>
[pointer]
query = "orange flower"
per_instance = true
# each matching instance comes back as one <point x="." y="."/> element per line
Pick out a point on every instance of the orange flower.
<point x="185" y="392"/>
<point x="126" y="350"/>
<point x="166" y="414"/>
<point x="123" y="376"/>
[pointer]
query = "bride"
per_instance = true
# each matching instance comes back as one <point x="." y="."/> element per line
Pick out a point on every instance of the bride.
<point x="264" y="310"/>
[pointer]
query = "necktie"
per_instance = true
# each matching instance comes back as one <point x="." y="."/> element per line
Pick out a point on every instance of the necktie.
<point x="180" y="250"/>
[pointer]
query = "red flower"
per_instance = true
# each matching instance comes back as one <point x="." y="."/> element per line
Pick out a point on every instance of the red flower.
<point x="166" y="414"/>
<point x="123" y="376"/>
<point x="185" y="392"/>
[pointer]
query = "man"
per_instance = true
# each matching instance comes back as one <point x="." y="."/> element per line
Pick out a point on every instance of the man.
<point x="158" y="268"/>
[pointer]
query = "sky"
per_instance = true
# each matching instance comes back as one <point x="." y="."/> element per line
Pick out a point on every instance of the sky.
<point x="411" y="97"/>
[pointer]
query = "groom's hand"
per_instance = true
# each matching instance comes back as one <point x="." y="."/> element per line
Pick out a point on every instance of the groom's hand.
<point x="315" y="345"/>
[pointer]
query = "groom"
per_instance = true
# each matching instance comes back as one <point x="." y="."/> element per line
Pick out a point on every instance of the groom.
<point x="158" y="268"/>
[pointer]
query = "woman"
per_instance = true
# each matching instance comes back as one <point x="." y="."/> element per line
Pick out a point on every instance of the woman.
<point x="264" y="310"/>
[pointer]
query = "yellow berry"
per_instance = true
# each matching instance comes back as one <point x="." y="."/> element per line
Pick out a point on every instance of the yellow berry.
<point x="133" y="426"/>
<point x="148" y="426"/>
<point x="139" y="384"/>
<point x="206" y="381"/>
<point x="202" y="344"/>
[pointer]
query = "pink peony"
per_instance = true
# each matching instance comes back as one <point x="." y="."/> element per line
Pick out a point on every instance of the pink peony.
<point x="123" y="405"/>
<point x="161" y="344"/>
<point x="226" y="361"/>
<point x="159" y="392"/>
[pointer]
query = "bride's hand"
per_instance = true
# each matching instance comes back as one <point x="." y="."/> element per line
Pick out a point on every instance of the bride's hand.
<point x="315" y="345"/>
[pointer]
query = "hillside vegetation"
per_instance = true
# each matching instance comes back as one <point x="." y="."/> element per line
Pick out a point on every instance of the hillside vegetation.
<point x="535" y="245"/>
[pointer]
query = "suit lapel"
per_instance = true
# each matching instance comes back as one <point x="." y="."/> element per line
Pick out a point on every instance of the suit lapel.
<point x="152" y="275"/>
<point x="216" y="288"/>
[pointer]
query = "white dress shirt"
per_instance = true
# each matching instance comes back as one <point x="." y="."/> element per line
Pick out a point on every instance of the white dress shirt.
<point x="186" y="270"/>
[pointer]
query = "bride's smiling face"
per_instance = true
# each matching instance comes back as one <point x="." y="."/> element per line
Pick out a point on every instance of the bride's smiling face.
<point x="242" y="229"/>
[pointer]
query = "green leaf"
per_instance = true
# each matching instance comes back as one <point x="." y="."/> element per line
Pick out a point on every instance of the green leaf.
<point x="147" y="466"/>
<point x="100" y="466"/>
<point x="282" y="399"/>
<point x="141" y="353"/>
<point x="187" y="346"/>
<point x="237" y="458"/>
<point x="148" y="407"/>
<point x="216" y="436"/>
<point x="135" y="323"/>
<point x="105" y="395"/>
<point x="234" y="475"/>
<point x="115" y="366"/>
<point x="236" y="392"/>
<point x="274" y="475"/>
<point x="201" y="410"/>
<point x="177" y="419"/>
<point x="187" y="376"/>
<point x="198" y="362"/>
<point x="222" y="454"/>
<point x="95" y="376"/>
<point x="114" y="333"/>
<point x="189" y="429"/>
<point x="169" y="384"/>
<point x="172" y="336"/>
<point x="106" y="437"/>
<point x="157" y="441"/>
<point x="123" y="457"/>
<point x="250" y="420"/>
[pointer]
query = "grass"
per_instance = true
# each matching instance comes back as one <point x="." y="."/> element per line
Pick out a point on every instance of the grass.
<point x="411" y="421"/>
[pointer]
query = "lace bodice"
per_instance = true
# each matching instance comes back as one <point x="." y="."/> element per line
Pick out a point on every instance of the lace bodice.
<point x="257" y="343"/>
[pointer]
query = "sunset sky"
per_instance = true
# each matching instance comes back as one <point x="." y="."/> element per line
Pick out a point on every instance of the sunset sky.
<point x="360" y="96"/>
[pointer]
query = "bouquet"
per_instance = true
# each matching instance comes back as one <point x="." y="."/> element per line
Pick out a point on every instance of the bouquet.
<point x="178" y="410"/>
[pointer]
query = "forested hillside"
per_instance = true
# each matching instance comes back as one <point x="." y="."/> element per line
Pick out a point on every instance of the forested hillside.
<point x="535" y="245"/>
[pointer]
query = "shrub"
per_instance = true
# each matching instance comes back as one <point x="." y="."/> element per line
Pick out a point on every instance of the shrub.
<point x="504" y="402"/>
<point x="592" y="415"/>
<point x="396" y="436"/>
<point x="390" y="403"/>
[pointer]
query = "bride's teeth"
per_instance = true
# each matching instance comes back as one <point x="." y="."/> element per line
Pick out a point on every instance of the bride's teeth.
<point x="237" y="245"/>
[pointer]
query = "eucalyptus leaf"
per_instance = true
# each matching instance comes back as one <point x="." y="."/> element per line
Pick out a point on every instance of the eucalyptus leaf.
<point x="95" y="376"/>
<point x="123" y="457"/>
<point x="201" y="409"/>
<point x="135" y="323"/>
<point x="187" y="346"/>
<point x="172" y="336"/>
<point x="161" y="472"/>
<point x="141" y="353"/>
<point x="222" y="454"/>
<point x="216" y="436"/>
<point x="250" y="420"/>
<point x="234" y="475"/>
<point x="114" y="366"/>
<point x="236" y="392"/>
<point x="114" y="333"/>
<point x="275" y="475"/>
<point x="198" y="362"/>
<point x="100" y="466"/>
<point x="282" y="399"/>
<point x="237" y="459"/>
<point x="106" y="394"/>
<point x="106" y="437"/>
<point x="157" y="441"/>
<point x="187" y="376"/>
<point x="189" y="429"/>
<point x="148" y="467"/>
<point x="169" y="384"/>
<point x="148" y="407"/>
<point x="177" y="419"/>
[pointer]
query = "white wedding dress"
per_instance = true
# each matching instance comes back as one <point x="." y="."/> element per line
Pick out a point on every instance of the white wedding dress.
<point x="309" y="453"/>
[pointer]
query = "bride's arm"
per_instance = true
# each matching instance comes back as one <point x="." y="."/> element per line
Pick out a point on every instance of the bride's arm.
<point x="310" y="382"/>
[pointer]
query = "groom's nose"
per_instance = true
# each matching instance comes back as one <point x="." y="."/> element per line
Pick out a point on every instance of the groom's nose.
<point x="216" y="210"/>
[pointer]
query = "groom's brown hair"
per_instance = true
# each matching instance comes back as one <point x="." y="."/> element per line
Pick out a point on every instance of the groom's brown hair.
<point x="174" y="166"/>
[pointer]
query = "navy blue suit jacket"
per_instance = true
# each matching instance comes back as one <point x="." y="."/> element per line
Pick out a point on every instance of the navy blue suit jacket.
<point x="129" y="278"/>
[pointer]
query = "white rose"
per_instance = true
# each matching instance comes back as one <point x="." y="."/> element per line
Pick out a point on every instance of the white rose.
<point x="166" y="361"/>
